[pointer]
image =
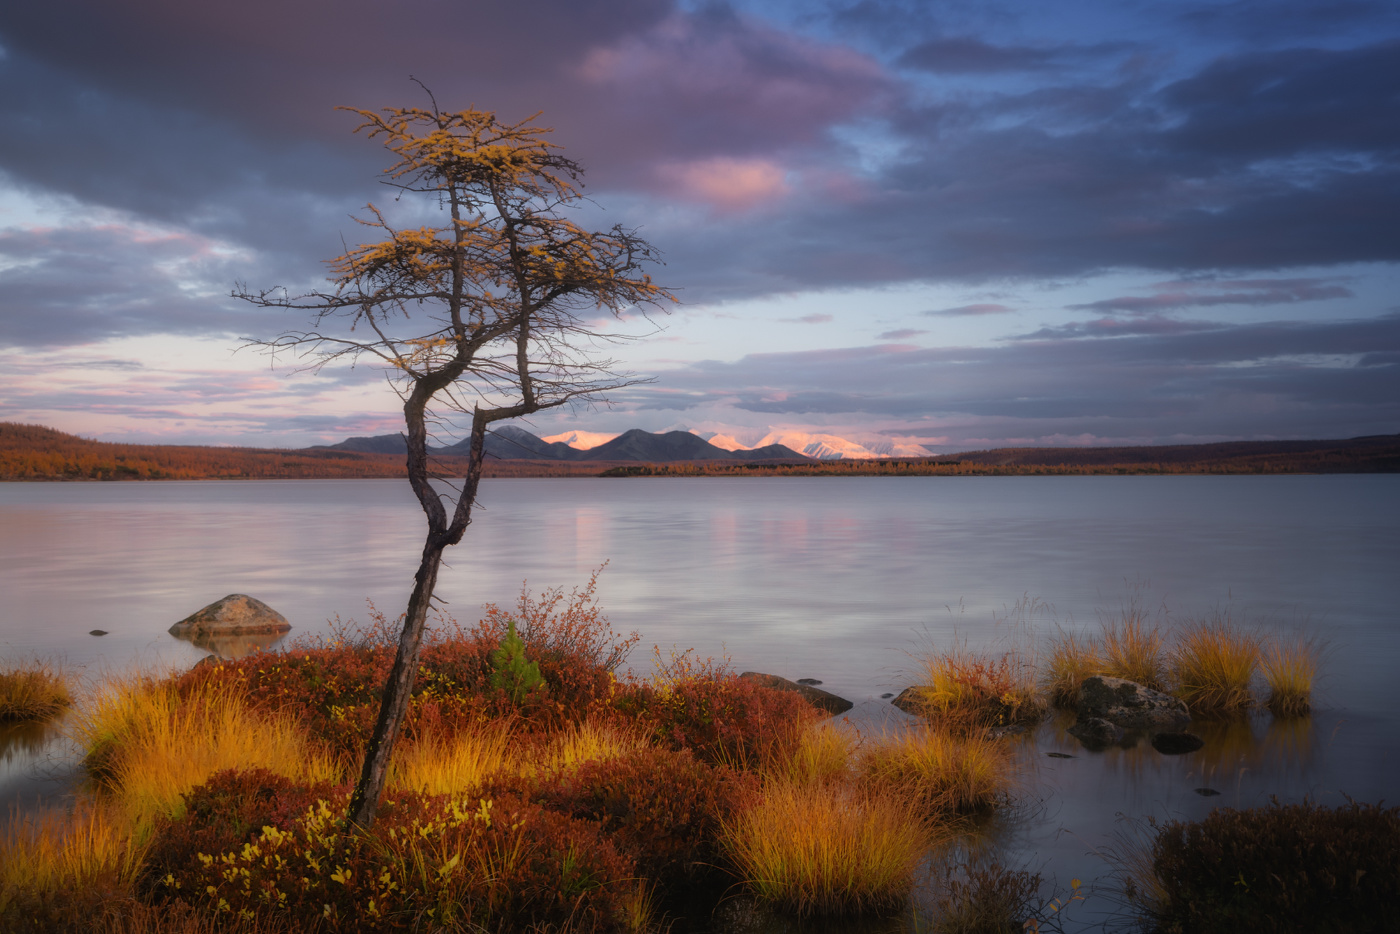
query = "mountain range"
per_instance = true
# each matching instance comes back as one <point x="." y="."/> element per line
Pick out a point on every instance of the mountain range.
<point x="511" y="443"/>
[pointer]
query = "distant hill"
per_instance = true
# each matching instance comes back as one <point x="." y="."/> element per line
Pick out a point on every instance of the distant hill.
<point x="510" y="442"/>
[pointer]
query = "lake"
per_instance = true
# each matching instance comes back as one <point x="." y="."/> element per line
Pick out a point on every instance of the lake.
<point x="833" y="578"/>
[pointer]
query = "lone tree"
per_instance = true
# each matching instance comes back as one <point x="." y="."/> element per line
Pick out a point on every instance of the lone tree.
<point x="487" y="314"/>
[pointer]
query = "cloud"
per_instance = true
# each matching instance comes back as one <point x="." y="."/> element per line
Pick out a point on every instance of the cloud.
<point x="1175" y="295"/>
<point x="900" y="334"/>
<point x="810" y="319"/>
<point x="733" y="185"/>
<point x="962" y="311"/>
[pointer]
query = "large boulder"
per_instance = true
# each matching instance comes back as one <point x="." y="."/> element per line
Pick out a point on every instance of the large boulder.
<point x="235" y="615"/>
<point x="1130" y="705"/>
<point x="822" y="700"/>
<point x="1096" y="732"/>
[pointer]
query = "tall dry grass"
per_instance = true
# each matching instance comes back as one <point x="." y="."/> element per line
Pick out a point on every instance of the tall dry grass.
<point x="36" y="691"/>
<point x="457" y="764"/>
<point x="1290" y="669"/>
<point x="1212" y="665"/>
<point x="827" y="849"/>
<point x="1133" y="649"/>
<point x="1070" y="658"/>
<point x="68" y="850"/>
<point x="941" y="772"/>
<point x="149" y="745"/>
<point x="821" y="755"/>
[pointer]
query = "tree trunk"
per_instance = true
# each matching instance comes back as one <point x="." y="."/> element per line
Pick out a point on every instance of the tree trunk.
<point x="398" y="690"/>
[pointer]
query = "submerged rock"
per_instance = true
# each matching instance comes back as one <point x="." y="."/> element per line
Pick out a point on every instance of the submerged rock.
<point x="822" y="700"/>
<point x="98" y="632"/>
<point x="1096" y="732"/>
<point x="1130" y="705"/>
<point x="1176" y="744"/>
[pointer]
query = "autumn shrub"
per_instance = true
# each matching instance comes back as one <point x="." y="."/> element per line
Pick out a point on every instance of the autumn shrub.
<point x="1296" y="867"/>
<point x="703" y="706"/>
<point x="34" y="691"/>
<point x="973" y="897"/>
<point x="969" y="690"/>
<point x="1212" y="665"/>
<point x="497" y="863"/>
<point x="822" y="754"/>
<point x="662" y="808"/>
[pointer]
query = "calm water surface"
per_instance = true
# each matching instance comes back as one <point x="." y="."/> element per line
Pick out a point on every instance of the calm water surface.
<point x="831" y="578"/>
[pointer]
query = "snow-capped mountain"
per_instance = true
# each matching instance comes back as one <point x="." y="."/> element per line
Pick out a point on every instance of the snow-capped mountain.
<point x="822" y="446"/>
<point x="583" y="440"/>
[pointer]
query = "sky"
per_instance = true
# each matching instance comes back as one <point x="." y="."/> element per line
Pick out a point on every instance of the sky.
<point x="956" y="224"/>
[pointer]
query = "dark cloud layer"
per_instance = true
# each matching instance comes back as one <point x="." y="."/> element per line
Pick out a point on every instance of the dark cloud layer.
<point x="1280" y="379"/>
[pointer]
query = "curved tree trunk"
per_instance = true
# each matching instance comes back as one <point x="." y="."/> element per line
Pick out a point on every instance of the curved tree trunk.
<point x="398" y="690"/>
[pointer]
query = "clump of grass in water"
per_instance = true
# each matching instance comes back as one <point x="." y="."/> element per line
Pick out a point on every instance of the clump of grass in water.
<point x="967" y="690"/>
<point x="1071" y="658"/>
<point x="37" y="691"/>
<point x="1290" y="668"/>
<point x="827" y="849"/>
<point x="942" y="773"/>
<point x="1132" y="650"/>
<point x="1212" y="665"/>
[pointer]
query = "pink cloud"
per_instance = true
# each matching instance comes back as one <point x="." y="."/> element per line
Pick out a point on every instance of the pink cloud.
<point x="726" y="184"/>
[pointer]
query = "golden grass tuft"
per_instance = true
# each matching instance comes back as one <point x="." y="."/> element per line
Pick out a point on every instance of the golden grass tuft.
<point x="53" y="851"/>
<point x="940" y="772"/>
<point x="1132" y="649"/>
<point x="967" y="690"/>
<point x="827" y="849"/>
<point x="150" y="746"/>
<point x="576" y="743"/>
<point x="822" y="754"/>
<point x="1071" y="658"/>
<point x="37" y="691"/>
<point x="457" y="764"/>
<point x="1212" y="665"/>
<point x="1290" y="668"/>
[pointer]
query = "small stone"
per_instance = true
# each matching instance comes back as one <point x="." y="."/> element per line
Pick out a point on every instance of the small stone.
<point x="1061" y="755"/>
<point x="1177" y="744"/>
<point x="1207" y="792"/>
<point x="811" y="681"/>
<point x="98" y="632"/>
<point x="886" y="696"/>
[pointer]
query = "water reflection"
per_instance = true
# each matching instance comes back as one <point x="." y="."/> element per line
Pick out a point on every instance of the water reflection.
<point x="26" y="740"/>
<point x="234" y="646"/>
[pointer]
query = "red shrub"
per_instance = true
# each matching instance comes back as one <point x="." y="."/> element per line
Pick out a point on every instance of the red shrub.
<point x="498" y="863"/>
<point x="662" y="808"/>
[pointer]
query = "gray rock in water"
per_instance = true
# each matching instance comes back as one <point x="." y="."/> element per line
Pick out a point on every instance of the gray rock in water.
<point x="822" y="700"/>
<point x="235" y="615"/>
<point x="98" y="632"/>
<point x="1130" y="705"/>
<point x="1096" y="732"/>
